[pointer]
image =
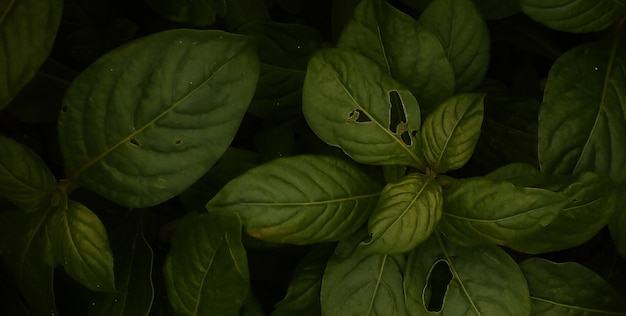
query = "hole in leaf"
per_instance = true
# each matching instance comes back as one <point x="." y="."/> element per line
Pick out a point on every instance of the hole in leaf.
<point x="134" y="142"/>
<point x="406" y="138"/>
<point x="357" y="116"/>
<point x="64" y="108"/>
<point x="439" y="279"/>
<point x="414" y="133"/>
<point x="178" y="142"/>
<point x="397" y="113"/>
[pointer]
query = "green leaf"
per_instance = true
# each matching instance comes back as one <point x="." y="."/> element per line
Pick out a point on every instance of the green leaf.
<point x="407" y="213"/>
<point x="480" y="210"/>
<point x="300" y="200"/>
<point x="409" y="52"/>
<point x="569" y="289"/>
<point x="79" y="243"/>
<point x="206" y="270"/>
<point x="617" y="225"/>
<point x="484" y="281"/>
<point x="197" y="12"/>
<point x="147" y="120"/>
<point x="450" y="133"/>
<point x="350" y="102"/>
<point x="303" y="294"/>
<point x="133" y="272"/>
<point x="581" y="120"/>
<point x="489" y="9"/>
<point x="27" y="31"/>
<point x="25" y="180"/>
<point x="576" y="16"/>
<point x="363" y="285"/>
<point x="464" y="36"/>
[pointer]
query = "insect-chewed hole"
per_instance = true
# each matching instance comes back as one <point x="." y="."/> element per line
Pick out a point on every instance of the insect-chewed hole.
<point x="178" y="142"/>
<point x="134" y="142"/>
<point x="397" y="112"/>
<point x="357" y="116"/>
<point x="439" y="279"/>
<point x="406" y="138"/>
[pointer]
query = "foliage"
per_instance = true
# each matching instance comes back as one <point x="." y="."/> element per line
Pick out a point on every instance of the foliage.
<point x="230" y="157"/>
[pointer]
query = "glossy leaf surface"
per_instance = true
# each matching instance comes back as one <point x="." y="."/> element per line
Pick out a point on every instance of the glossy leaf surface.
<point x="576" y="16"/>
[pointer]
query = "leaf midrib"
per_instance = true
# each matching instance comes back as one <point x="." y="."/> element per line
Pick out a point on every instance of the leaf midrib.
<point x="6" y="12"/>
<point x="313" y="203"/>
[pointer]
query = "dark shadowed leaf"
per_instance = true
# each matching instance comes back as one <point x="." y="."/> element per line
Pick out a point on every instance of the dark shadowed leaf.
<point x="198" y="12"/>
<point x="617" y="225"/>
<point x="576" y="16"/>
<point x="489" y="9"/>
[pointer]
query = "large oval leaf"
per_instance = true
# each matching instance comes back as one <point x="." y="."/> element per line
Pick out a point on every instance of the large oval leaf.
<point x="577" y="16"/>
<point x="25" y="180"/>
<point x="485" y="280"/>
<point x="300" y="199"/>
<point x="464" y="36"/>
<point x="450" y="133"/>
<point x="27" y="31"/>
<point x="409" y="52"/>
<point x="79" y="243"/>
<point x="478" y="211"/>
<point x="147" y="120"/>
<point x="351" y="102"/>
<point x="569" y="289"/>
<point x="206" y="272"/>
<point x="407" y="213"/>
<point x="198" y="12"/>
<point x="582" y="125"/>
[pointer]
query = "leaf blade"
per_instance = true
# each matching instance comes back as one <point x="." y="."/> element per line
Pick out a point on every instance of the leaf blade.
<point x="576" y="16"/>
<point x="200" y="13"/>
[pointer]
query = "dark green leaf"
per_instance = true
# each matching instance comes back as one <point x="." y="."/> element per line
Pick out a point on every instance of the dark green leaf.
<point x="39" y="101"/>
<point x="206" y="271"/>
<point x="79" y="243"/>
<point x="198" y="12"/>
<point x="25" y="180"/>
<point x="278" y="92"/>
<point x="147" y="120"/>
<point x="27" y="31"/>
<point x="347" y="101"/>
<point x="489" y="9"/>
<point x="581" y="120"/>
<point x="617" y="225"/>
<point x="569" y="289"/>
<point x="450" y="133"/>
<point x="409" y="52"/>
<point x="479" y="210"/>
<point x="485" y="280"/>
<point x="407" y="213"/>
<point x="577" y="16"/>
<point x="300" y="199"/>
<point x="363" y="285"/>
<point x="464" y="36"/>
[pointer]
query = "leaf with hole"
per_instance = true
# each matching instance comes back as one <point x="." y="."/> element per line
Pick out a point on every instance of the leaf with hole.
<point x="575" y="16"/>
<point x="300" y="200"/>
<point x="147" y="120"/>
<point x="351" y="102"/>
<point x="206" y="271"/>
<point x="450" y="133"/>
<point x="407" y="213"/>
<point x="499" y="287"/>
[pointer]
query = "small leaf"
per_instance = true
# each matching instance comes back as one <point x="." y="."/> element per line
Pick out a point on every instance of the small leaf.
<point x="485" y="280"/>
<point x="197" y="12"/>
<point x="300" y="200"/>
<point x="575" y="16"/>
<point x="206" y="271"/>
<point x="450" y="133"/>
<point x="79" y="243"/>
<point x="407" y="213"/>
<point x="162" y="99"/>
<point x="409" y="52"/>
<point x="363" y="285"/>
<point x="25" y="180"/>
<point x="27" y="32"/>
<point x="464" y="36"/>
<point x="478" y="211"/>
<point x="586" y="292"/>
<point x="303" y="294"/>
<point x="581" y="120"/>
<point x="347" y="102"/>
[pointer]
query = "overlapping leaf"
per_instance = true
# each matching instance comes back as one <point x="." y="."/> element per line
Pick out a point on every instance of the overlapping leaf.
<point x="300" y="200"/>
<point x="485" y="280"/>
<point x="351" y="102"/>
<point x="147" y="120"/>
<point x="206" y="271"/>
<point x="198" y="12"/>
<point x="577" y="16"/>
<point x="489" y="9"/>
<point x="450" y="133"/>
<point x="581" y="121"/>
<point x="569" y="289"/>
<point x="407" y="213"/>
<point x="27" y="32"/>
<point x="479" y="210"/>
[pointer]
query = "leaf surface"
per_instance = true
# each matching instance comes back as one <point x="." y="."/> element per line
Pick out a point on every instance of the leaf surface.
<point x="206" y="270"/>
<point x="351" y="102"/>
<point x="489" y="9"/>
<point x="301" y="200"/>
<point x="407" y="213"/>
<point x="148" y="119"/>
<point x="576" y="16"/>
<point x="197" y="12"/>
